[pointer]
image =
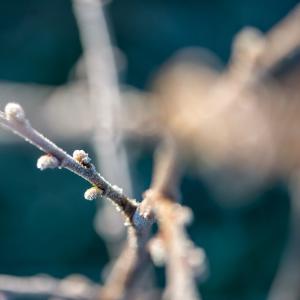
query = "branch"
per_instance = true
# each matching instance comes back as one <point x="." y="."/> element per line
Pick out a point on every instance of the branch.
<point x="14" y="120"/>
<point x="139" y="223"/>
<point x="260" y="53"/>
<point x="183" y="259"/>
<point x="104" y="93"/>
<point x="105" y="99"/>
<point x="46" y="287"/>
<point x="282" y="40"/>
<point x="129" y="268"/>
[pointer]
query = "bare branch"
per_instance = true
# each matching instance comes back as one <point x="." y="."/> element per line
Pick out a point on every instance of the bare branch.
<point x="182" y="258"/>
<point x="104" y="93"/>
<point x="71" y="288"/>
<point x="139" y="224"/>
<point x="105" y="99"/>
<point x="14" y="120"/>
<point x="105" y="102"/>
<point x="130" y="266"/>
<point x="281" y="40"/>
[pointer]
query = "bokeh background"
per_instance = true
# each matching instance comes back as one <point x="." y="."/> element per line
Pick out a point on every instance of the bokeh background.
<point x="45" y="224"/>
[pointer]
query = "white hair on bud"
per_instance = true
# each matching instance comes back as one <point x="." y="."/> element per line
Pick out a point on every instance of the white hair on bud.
<point x="47" y="161"/>
<point x="92" y="193"/>
<point x="14" y="112"/>
<point x="81" y="156"/>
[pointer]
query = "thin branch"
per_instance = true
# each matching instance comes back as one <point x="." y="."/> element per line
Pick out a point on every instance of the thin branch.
<point x="104" y="93"/>
<point x="138" y="222"/>
<point x="254" y="57"/>
<point x="46" y="287"/>
<point x="129" y="268"/>
<point x="281" y="40"/>
<point x="14" y="120"/>
<point x="105" y="100"/>
<point x="182" y="258"/>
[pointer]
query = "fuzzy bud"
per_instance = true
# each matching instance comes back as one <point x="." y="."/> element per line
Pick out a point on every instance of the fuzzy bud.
<point x="47" y="161"/>
<point x="92" y="193"/>
<point x="157" y="251"/>
<point x="81" y="156"/>
<point x="184" y="215"/>
<point x="248" y="44"/>
<point x="14" y="112"/>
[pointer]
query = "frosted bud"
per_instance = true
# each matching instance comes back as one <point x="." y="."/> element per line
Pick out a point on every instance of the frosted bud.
<point x="196" y="257"/>
<point x="81" y="156"/>
<point x="14" y="112"/>
<point x="184" y="215"/>
<point x="157" y="251"/>
<point x="249" y="43"/>
<point x="92" y="193"/>
<point x="47" y="161"/>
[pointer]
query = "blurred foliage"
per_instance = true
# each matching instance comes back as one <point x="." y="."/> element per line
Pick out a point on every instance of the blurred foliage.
<point x="47" y="227"/>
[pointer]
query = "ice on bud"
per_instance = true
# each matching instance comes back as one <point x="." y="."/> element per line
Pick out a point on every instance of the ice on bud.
<point x="92" y="193"/>
<point x="81" y="156"/>
<point x="47" y="161"/>
<point x="14" y="112"/>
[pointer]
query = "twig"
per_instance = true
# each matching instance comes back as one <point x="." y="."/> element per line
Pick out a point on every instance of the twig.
<point x="105" y="102"/>
<point x="138" y="222"/>
<point x="14" y="119"/>
<point x="281" y="40"/>
<point x="254" y="57"/>
<point x="183" y="260"/>
<point x="129" y="268"/>
<point x="46" y="287"/>
<point x="105" y="99"/>
<point x="104" y="94"/>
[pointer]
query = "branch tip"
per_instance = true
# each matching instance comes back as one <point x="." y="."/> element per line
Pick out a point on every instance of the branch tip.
<point x="14" y="112"/>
